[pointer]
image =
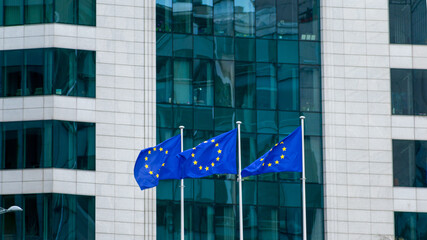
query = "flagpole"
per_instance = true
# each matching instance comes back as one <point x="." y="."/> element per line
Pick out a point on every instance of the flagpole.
<point x="240" y="182"/>
<point x="304" y="210"/>
<point x="182" y="186"/>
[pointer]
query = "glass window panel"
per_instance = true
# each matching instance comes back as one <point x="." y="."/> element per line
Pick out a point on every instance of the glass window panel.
<point x="249" y="153"/>
<point x="401" y="92"/>
<point x="12" y="70"/>
<point x="12" y="145"/>
<point x="287" y="51"/>
<point x="64" y="145"/>
<point x="34" y="216"/>
<point x="290" y="194"/>
<point x="165" y="190"/>
<point x="86" y="146"/>
<point x="249" y="192"/>
<point x="87" y="12"/>
<point x="48" y="11"/>
<point x="314" y="195"/>
<point x="267" y="121"/>
<point x="225" y="191"/>
<point x="13" y="12"/>
<point x="404" y="163"/>
<point x="244" y="23"/>
<point x="65" y="11"/>
<point x="266" y="18"/>
<point x="405" y="225"/>
<point x="225" y="224"/>
<point x="164" y="15"/>
<point x="313" y="124"/>
<point x="64" y="72"/>
<point x="33" y="142"/>
<point x="182" y="81"/>
<point x="224" y="119"/>
<point x="203" y="82"/>
<point x="85" y="217"/>
<point x="287" y="19"/>
<point x="288" y="89"/>
<point x="223" y="17"/>
<point x="182" y="45"/>
<point x="164" y="83"/>
<point x="168" y="223"/>
<point x="313" y="158"/>
<point x="34" y="71"/>
<point x="309" y="24"/>
<point x="204" y="214"/>
<point x="266" y="86"/>
<point x="202" y="16"/>
<point x="315" y="223"/>
<point x="421" y="163"/>
<point x="203" y="47"/>
<point x="250" y="223"/>
<point x="182" y="11"/>
<point x="204" y="190"/>
<point x="268" y="223"/>
<point x="86" y="73"/>
<point x="183" y="116"/>
<point x="400" y="20"/>
<point x="13" y="223"/>
<point x="288" y="122"/>
<point x="245" y="84"/>
<point x="203" y="118"/>
<point x="224" y="48"/>
<point x="224" y="83"/>
<point x="2" y="75"/>
<point x="49" y="59"/>
<point x="422" y="226"/>
<point x="248" y="119"/>
<point x="164" y="134"/>
<point x="63" y="216"/>
<point x="268" y="193"/>
<point x="290" y="223"/>
<point x="309" y="52"/>
<point x="163" y="44"/>
<point x="419" y="22"/>
<point x="420" y="90"/>
<point x="244" y="49"/>
<point x="310" y="88"/>
<point x="266" y="50"/>
<point x="164" y="115"/>
<point x="34" y="11"/>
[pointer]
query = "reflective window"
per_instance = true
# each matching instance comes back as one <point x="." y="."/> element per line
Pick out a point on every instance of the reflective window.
<point x="164" y="16"/>
<point x="288" y="86"/>
<point x="182" y="45"/>
<point x="410" y="225"/>
<point x="287" y="19"/>
<point x="409" y="163"/>
<point x="244" y="49"/>
<point x="244" y="18"/>
<point x="34" y="11"/>
<point x="182" y="15"/>
<point x="203" y="82"/>
<point x="309" y="20"/>
<point x="224" y="83"/>
<point x="182" y="81"/>
<point x="87" y="12"/>
<point x="164" y="86"/>
<point x="265" y="18"/>
<point x="266" y="86"/>
<point x="407" y="21"/>
<point x="202" y="16"/>
<point x="13" y="12"/>
<point x="245" y="85"/>
<point x="203" y="47"/>
<point x="223" y="17"/>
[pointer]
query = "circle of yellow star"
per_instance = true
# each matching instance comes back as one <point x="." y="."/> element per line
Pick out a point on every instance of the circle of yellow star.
<point x="192" y="154"/>
<point x="262" y="159"/>
<point x="269" y="164"/>
<point x="146" y="166"/>
<point x="151" y="172"/>
<point x="282" y="157"/>
<point x="157" y="175"/>
<point x="213" y="140"/>
<point x="195" y="162"/>
<point x="284" y="148"/>
<point x="213" y="164"/>
<point x="207" y="168"/>
<point x="166" y="152"/>
<point x="217" y="158"/>
<point x="163" y="164"/>
<point x="161" y="149"/>
<point x="219" y="151"/>
<point x="146" y="158"/>
<point x="200" y="167"/>
<point x="149" y="152"/>
<point x="277" y="162"/>
<point x="216" y="144"/>
<point x="154" y="149"/>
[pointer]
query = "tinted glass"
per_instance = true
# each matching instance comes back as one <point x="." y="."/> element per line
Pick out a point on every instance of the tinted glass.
<point x="65" y="11"/>
<point x="34" y="11"/>
<point x="266" y="86"/>
<point x="223" y="17"/>
<point x="288" y="86"/>
<point x="12" y="70"/>
<point x="87" y="12"/>
<point x="203" y="47"/>
<point x="13" y="12"/>
<point x="182" y="15"/>
<point x="405" y="225"/>
<point x="33" y="141"/>
<point x="308" y="19"/>
<point x="224" y="48"/>
<point x="203" y="82"/>
<point x="404" y="163"/>
<point x="86" y="146"/>
<point x="164" y="82"/>
<point x="245" y="49"/>
<point x="287" y="19"/>
<point x="202" y="16"/>
<point x="182" y="45"/>
<point x="266" y="50"/>
<point x="64" y="144"/>
<point x="244" y="22"/>
<point x="34" y="71"/>
<point x="224" y="83"/>
<point x="64" y="72"/>
<point x="265" y="18"/>
<point x="400" y="20"/>
<point x="401" y="92"/>
<point x="12" y="145"/>
<point x="163" y="44"/>
<point x="418" y="22"/>
<point x="268" y="223"/>
<point x="203" y="119"/>
<point x="245" y="85"/>
<point x="310" y="88"/>
<point x="420" y="89"/>
<point x="182" y="81"/>
<point x="164" y="16"/>
<point x="287" y="51"/>
<point x="86" y="73"/>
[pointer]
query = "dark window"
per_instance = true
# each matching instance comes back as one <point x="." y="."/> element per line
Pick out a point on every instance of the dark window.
<point x="182" y="15"/>
<point x="86" y="69"/>
<point x="407" y="21"/>
<point x="65" y="11"/>
<point x="410" y="225"/>
<point x="12" y="70"/>
<point x="13" y="12"/>
<point x="87" y="12"/>
<point x="410" y="163"/>
<point x="203" y="82"/>
<point x="34" y="71"/>
<point x="12" y="145"/>
<point x="33" y="141"/>
<point x="34" y="11"/>
<point x="202" y="17"/>
<point x="223" y="17"/>
<point x="245" y="85"/>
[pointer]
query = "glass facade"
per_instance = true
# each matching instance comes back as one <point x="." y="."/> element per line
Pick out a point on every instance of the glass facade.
<point x="410" y="163"/>
<point x="20" y="12"/>
<point x="408" y="88"/>
<point x="257" y="61"/>
<point x="48" y="216"/>
<point x="47" y="144"/>
<point x="410" y="225"/>
<point x="408" y="19"/>
<point x="47" y="71"/>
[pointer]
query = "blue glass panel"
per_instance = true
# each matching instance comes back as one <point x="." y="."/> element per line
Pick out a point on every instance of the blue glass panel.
<point x="287" y="51"/>
<point x="168" y="220"/>
<point x="86" y="73"/>
<point x="64" y="72"/>
<point x="182" y="45"/>
<point x="165" y="190"/>
<point x="288" y="89"/>
<point x="419" y="22"/>
<point x="34" y="71"/>
<point x="267" y="121"/>
<point x="163" y="44"/>
<point x="204" y="190"/>
<point x="420" y="90"/>
<point x="182" y="15"/>
<point x="224" y="48"/>
<point x="288" y="122"/>
<point x="268" y="193"/>
<point x="13" y="145"/>
<point x="86" y="146"/>
<point x="203" y="118"/>
<point x="249" y="192"/>
<point x="400" y="20"/>
<point x="34" y="216"/>
<point x="310" y="88"/>
<point x="244" y="23"/>
<point x="404" y="163"/>
<point x="287" y="19"/>
<point x="164" y="16"/>
<point x="33" y="142"/>
<point x="313" y="159"/>
<point x="203" y="82"/>
<point x="87" y="12"/>
<point x="248" y="119"/>
<point x="290" y="224"/>
<point x="309" y="52"/>
<point x="245" y="85"/>
<point x="308" y="18"/>
<point x="314" y="195"/>
<point x="203" y="47"/>
<point x="402" y="92"/>
<point x="13" y="12"/>
<point x="313" y="124"/>
<point x="265" y="18"/>
<point x="224" y="119"/>
<point x="188" y="190"/>
<point x="202" y="16"/>
<point x="33" y="11"/>
<point x="290" y="194"/>
<point x="164" y="81"/>
<point x="245" y="49"/>
<point x="226" y="191"/>
<point x="249" y="149"/>
<point x="203" y="222"/>
<point x="266" y="86"/>
<point x="266" y="50"/>
<point x="421" y="163"/>
<point x="182" y="81"/>
<point x="12" y="70"/>
<point x="315" y="223"/>
<point x="224" y="84"/>
<point x="64" y="145"/>
<point x="250" y="223"/>
<point x="223" y="17"/>
<point x="225" y="224"/>
<point x="405" y="225"/>
<point x="268" y="223"/>
<point x="65" y="11"/>
<point x="183" y="116"/>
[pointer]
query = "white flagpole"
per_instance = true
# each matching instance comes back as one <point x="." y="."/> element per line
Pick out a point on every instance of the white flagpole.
<point x="304" y="210"/>
<point x="182" y="187"/>
<point x="240" y="182"/>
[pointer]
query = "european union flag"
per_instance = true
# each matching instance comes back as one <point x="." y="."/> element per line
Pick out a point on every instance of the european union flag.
<point x="285" y="156"/>
<point x="158" y="162"/>
<point x="214" y="156"/>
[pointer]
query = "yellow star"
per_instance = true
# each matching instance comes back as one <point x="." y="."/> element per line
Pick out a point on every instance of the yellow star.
<point x="161" y="149"/>
<point x="163" y="164"/>
<point x="219" y="151"/>
<point x="146" y="166"/>
<point x="195" y="162"/>
<point x="200" y="167"/>
<point x="146" y="158"/>
<point x="149" y="152"/>
<point x="281" y="143"/>
<point x="205" y="141"/>
<point x="213" y="140"/>
<point x="269" y="164"/>
<point x="275" y="145"/>
<point x="216" y="144"/>
<point x="207" y="168"/>
<point x="213" y="164"/>
<point x="277" y="162"/>
<point x="263" y="164"/>
<point x="194" y="148"/>
<point x="157" y="175"/>
<point x="262" y="159"/>
<point x="284" y="148"/>
<point x="154" y="149"/>
<point x="282" y="157"/>
<point x="217" y="158"/>
<point x="151" y="172"/>
<point x="192" y="154"/>
<point x="166" y="152"/>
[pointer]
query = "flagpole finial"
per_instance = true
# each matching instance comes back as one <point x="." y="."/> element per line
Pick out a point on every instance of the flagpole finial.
<point x="239" y="122"/>
<point x="181" y="127"/>
<point x="301" y="117"/>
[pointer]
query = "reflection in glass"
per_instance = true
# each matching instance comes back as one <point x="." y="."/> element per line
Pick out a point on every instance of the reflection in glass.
<point x="268" y="223"/>
<point x="34" y="71"/>
<point x="404" y="170"/>
<point x="64" y="72"/>
<point x="266" y="18"/>
<point x="401" y="92"/>
<point x="308" y="12"/>
<point x="287" y="19"/>
<point x="202" y="16"/>
<point x="64" y="145"/>
<point x="204" y="217"/>
<point x="266" y="50"/>
<point x="33" y="141"/>
<point x="288" y="89"/>
<point x="203" y="82"/>
<point x="224" y="48"/>
<point x="87" y="12"/>
<point x="86" y="146"/>
<point x="182" y="45"/>
<point x="204" y="119"/>
<point x="290" y="223"/>
<point x="420" y="90"/>
<point x="245" y="49"/>
<point x="244" y="23"/>
<point x="34" y="11"/>
<point x="164" y="83"/>
<point x="225" y="228"/>
<point x="13" y="12"/>
<point x="224" y="119"/>
<point x="310" y="89"/>
<point x="400" y="20"/>
<point x="287" y="51"/>
<point x="182" y="81"/>
<point x="86" y="73"/>
<point x="203" y="47"/>
<point x="164" y="15"/>
<point x="182" y="11"/>
<point x="266" y="86"/>
<point x="223" y="17"/>
<point x="12" y="70"/>
<point x="309" y="52"/>
<point x="65" y="11"/>
<point x="248" y="119"/>
<point x="245" y="85"/>
<point x="419" y="22"/>
<point x="224" y="84"/>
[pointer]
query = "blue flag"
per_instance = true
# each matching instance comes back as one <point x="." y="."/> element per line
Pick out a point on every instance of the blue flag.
<point x="158" y="162"/>
<point x="214" y="156"/>
<point x="285" y="156"/>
